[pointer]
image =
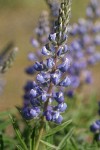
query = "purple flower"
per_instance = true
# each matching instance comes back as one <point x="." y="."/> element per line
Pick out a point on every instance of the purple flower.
<point x="75" y="82"/>
<point x="95" y="126"/>
<point x="62" y="107"/>
<point x="96" y="28"/>
<point x="35" y="43"/>
<point x="91" y="60"/>
<point x="90" y="50"/>
<point x="44" y="96"/>
<point x="57" y="118"/>
<point x="32" y="57"/>
<point x="48" y="115"/>
<point x="97" y="56"/>
<point x="45" y="51"/>
<point x="39" y="66"/>
<point x="70" y="93"/>
<point x="97" y="40"/>
<point x="60" y="51"/>
<point x="40" y="78"/>
<point x="74" y="29"/>
<point x="75" y="45"/>
<point x="59" y="97"/>
<point x="29" y="85"/>
<point x="50" y="63"/>
<point x="30" y="70"/>
<point x="26" y="113"/>
<point x="64" y="66"/>
<point x="55" y="78"/>
<point x="87" y="40"/>
<point x="33" y="93"/>
<point x="88" y="77"/>
<point x="66" y="82"/>
<point x="33" y="113"/>
<point x="52" y="37"/>
<point x="98" y="12"/>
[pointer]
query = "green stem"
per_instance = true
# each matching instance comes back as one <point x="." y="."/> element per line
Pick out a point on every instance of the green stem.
<point x="39" y="137"/>
<point x="46" y="104"/>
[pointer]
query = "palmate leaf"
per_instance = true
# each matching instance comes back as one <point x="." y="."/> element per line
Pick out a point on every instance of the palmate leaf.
<point x="63" y="142"/>
<point x="48" y="144"/>
<point x="18" y="133"/>
<point x="57" y="129"/>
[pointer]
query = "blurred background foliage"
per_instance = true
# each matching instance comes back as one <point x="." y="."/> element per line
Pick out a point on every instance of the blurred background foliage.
<point x="17" y="21"/>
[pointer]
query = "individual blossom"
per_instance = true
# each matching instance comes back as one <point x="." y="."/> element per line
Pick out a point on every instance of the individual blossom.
<point x="95" y="127"/>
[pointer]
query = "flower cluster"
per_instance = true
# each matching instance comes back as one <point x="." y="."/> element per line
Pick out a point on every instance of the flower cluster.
<point x="42" y="32"/>
<point x="93" y="9"/>
<point x="42" y="97"/>
<point x="95" y="127"/>
<point x="83" y="53"/>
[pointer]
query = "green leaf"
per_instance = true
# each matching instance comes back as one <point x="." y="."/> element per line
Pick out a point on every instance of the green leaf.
<point x="58" y="128"/>
<point x="9" y="142"/>
<point x="2" y="114"/>
<point x="1" y="142"/>
<point x="49" y="139"/>
<point x="7" y="139"/>
<point x="74" y="144"/>
<point x="63" y="142"/>
<point x="32" y="139"/>
<point x="18" y="134"/>
<point x="48" y="144"/>
<point x="4" y="124"/>
<point x="6" y="113"/>
<point x="19" y="147"/>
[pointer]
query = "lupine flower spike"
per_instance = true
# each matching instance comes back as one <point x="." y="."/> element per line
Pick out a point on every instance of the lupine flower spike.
<point x="42" y="99"/>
